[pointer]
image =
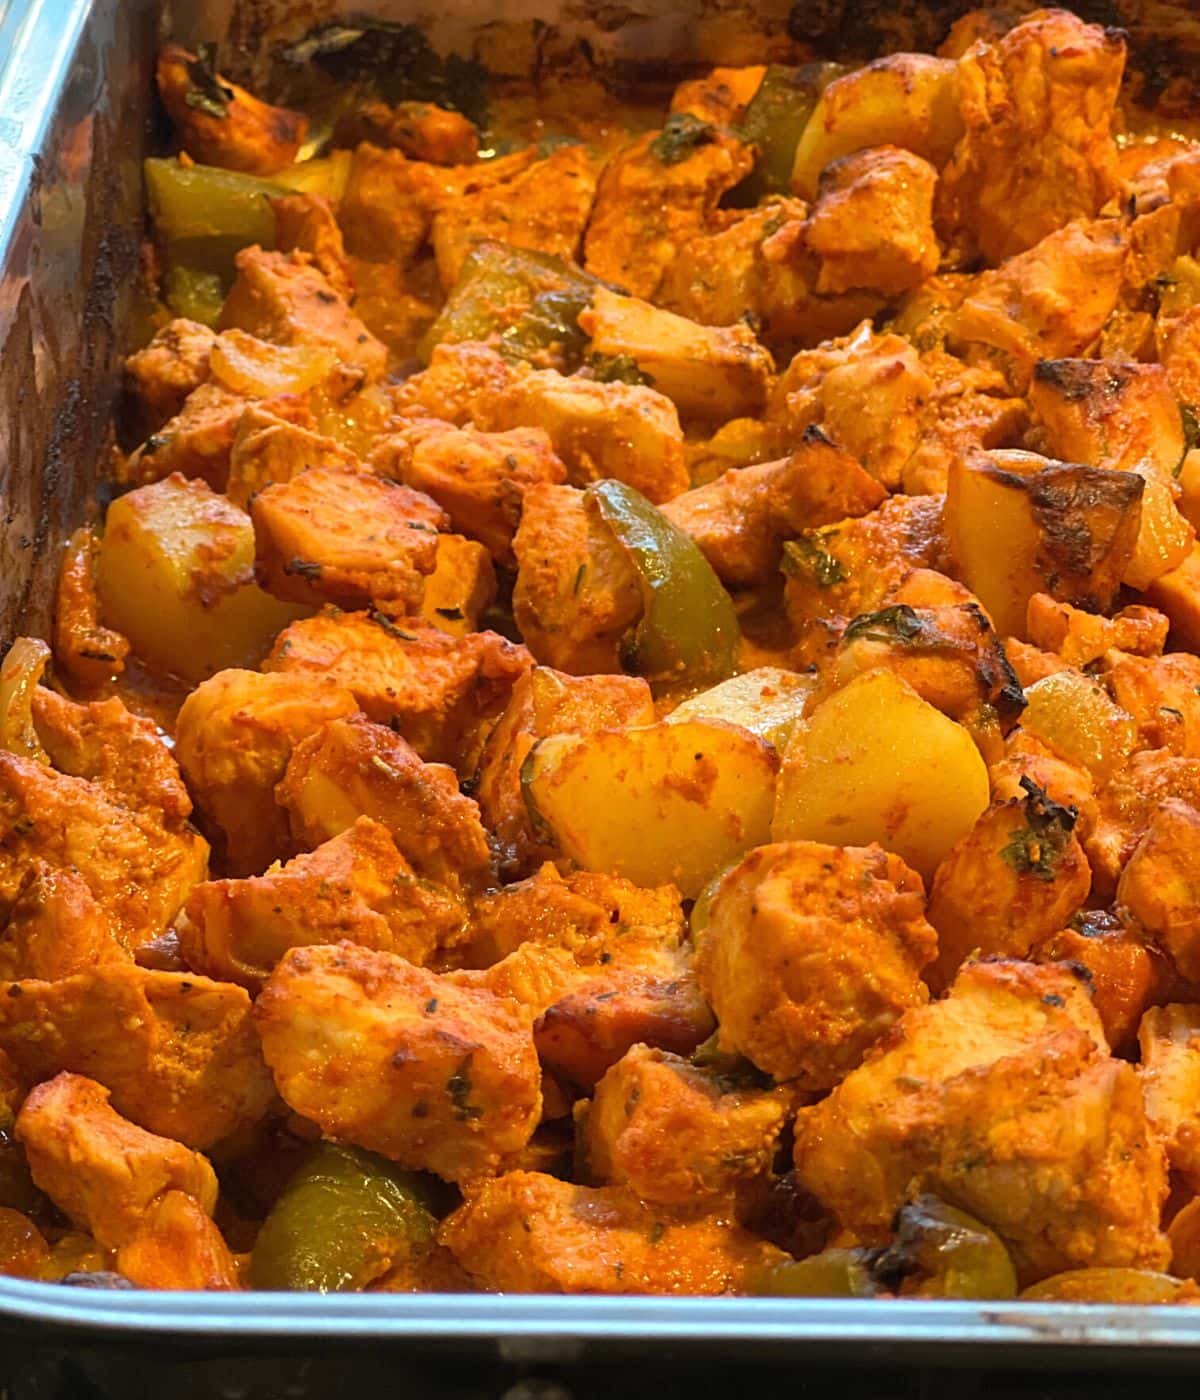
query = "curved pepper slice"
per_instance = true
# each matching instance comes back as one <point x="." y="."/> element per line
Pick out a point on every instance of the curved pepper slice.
<point x="952" y="1254"/>
<point x="344" y="1217"/>
<point x="775" y="120"/>
<point x="689" y="632"/>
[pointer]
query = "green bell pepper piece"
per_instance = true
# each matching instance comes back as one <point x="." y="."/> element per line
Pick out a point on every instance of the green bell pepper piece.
<point x="954" y="1255"/>
<point x="834" y="1273"/>
<point x="203" y="217"/>
<point x="775" y="120"/>
<point x="342" y="1218"/>
<point x="688" y="634"/>
<point x="527" y="304"/>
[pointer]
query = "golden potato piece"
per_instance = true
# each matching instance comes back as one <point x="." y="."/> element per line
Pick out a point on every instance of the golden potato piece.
<point x="546" y="702"/>
<point x="99" y="1168"/>
<point x="175" y="574"/>
<point x="875" y="762"/>
<point x="178" y="1052"/>
<point x="669" y="803"/>
<point x="1017" y="525"/>
<point x="766" y="701"/>
<point x="908" y="100"/>
<point x="810" y="954"/>
<point x="438" y="1077"/>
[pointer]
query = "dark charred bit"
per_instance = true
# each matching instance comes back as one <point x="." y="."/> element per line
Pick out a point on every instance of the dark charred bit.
<point x="1036" y="848"/>
<point x="1080" y="379"/>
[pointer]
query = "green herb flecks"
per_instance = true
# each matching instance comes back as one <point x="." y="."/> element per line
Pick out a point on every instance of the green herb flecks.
<point x="682" y="135"/>
<point x="207" y="93"/>
<point x="899" y="625"/>
<point x="806" y="558"/>
<point x="1037" y="848"/>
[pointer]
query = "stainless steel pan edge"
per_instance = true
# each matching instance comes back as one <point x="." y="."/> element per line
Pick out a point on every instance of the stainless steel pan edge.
<point x="74" y="122"/>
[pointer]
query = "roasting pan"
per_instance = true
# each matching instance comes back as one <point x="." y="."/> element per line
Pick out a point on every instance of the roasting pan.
<point x="76" y="117"/>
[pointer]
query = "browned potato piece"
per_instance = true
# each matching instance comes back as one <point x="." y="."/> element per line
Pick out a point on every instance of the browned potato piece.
<point x="1160" y="887"/>
<point x="383" y="1054"/>
<point x="286" y="299"/>
<point x="676" y="1135"/>
<point x="267" y="449"/>
<point x="1001" y="1097"/>
<point x="812" y="952"/>
<point x="576" y="593"/>
<point x="544" y="208"/>
<point x="530" y="1233"/>
<point x="545" y="702"/>
<point x="348" y="538"/>
<point x="1017" y="525"/>
<point x="178" y="1052"/>
<point x="356" y="886"/>
<point x="177" y="1246"/>
<point x="741" y="519"/>
<point x="461" y="587"/>
<point x="432" y="688"/>
<point x="479" y="479"/>
<point x="1038" y="149"/>
<point x="352" y="767"/>
<point x="1017" y="876"/>
<point x="592" y="916"/>
<point x="906" y="99"/>
<point x="1162" y="693"/>
<point x="1169" y="1040"/>
<point x="626" y="431"/>
<point x="220" y="123"/>
<point x="707" y="371"/>
<point x="1121" y="416"/>
<point x="872" y="226"/>
<point x="162" y="374"/>
<point x="99" y="1168"/>
<point x="136" y="872"/>
<point x="654" y="194"/>
<point x="1050" y="301"/>
<point x="234" y="736"/>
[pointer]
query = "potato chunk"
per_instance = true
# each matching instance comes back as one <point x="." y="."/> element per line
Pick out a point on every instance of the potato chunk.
<point x="530" y="1233"/>
<point x="356" y="886"/>
<point x="178" y="1053"/>
<point x="284" y="298"/>
<point x="1160" y="887"/>
<point x="390" y="1057"/>
<point x="906" y="99"/>
<point x="676" y="1135"/>
<point x="1017" y="876"/>
<point x="546" y="702"/>
<point x="1170" y="1075"/>
<point x="99" y="1168"/>
<point x="707" y="371"/>
<point x="669" y="803"/>
<point x="479" y="479"/>
<point x="811" y="953"/>
<point x="1019" y="525"/>
<point x="234" y="735"/>
<point x="433" y="689"/>
<point x="1001" y="1097"/>
<point x="175" y="576"/>
<point x="347" y="538"/>
<point x="1037" y="151"/>
<point x="875" y="762"/>
<point x="351" y="767"/>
